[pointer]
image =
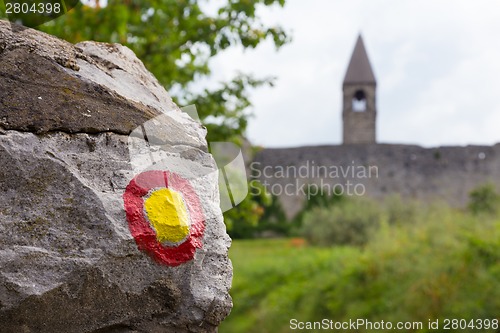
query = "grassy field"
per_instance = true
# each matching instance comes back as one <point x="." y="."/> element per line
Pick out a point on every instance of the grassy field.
<point x="446" y="266"/>
<point x="272" y="281"/>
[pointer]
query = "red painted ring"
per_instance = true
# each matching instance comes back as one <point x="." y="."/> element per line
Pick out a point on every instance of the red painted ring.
<point x="141" y="230"/>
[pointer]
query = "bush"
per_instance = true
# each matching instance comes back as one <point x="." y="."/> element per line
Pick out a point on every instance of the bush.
<point x="399" y="212"/>
<point x="447" y="265"/>
<point x="444" y="264"/>
<point x="350" y="222"/>
<point x="484" y="199"/>
<point x="321" y="199"/>
<point x="274" y="221"/>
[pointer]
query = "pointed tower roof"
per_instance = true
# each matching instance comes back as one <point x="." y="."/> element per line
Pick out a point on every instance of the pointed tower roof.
<point x="359" y="70"/>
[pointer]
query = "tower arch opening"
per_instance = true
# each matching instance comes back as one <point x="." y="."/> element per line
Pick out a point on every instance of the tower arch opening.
<point x="359" y="101"/>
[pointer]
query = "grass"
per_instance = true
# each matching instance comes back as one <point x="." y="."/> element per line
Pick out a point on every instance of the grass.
<point x="273" y="278"/>
<point x="445" y="265"/>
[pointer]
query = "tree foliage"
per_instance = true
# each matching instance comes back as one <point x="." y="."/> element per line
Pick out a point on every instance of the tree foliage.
<point x="176" y="40"/>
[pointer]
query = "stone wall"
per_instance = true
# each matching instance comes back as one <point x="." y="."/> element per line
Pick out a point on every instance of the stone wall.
<point x="378" y="170"/>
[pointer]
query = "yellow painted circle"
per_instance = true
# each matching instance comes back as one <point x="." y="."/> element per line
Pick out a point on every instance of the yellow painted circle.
<point x="168" y="215"/>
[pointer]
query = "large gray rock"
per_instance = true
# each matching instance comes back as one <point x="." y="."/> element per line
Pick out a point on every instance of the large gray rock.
<point x="68" y="260"/>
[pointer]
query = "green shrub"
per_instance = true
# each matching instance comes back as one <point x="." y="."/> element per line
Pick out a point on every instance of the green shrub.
<point x="444" y="264"/>
<point x="274" y="220"/>
<point x="399" y="212"/>
<point x="484" y="199"/>
<point x="447" y="265"/>
<point x="320" y="199"/>
<point x="348" y="223"/>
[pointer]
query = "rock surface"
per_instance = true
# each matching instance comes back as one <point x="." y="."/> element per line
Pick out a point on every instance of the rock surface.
<point x="68" y="260"/>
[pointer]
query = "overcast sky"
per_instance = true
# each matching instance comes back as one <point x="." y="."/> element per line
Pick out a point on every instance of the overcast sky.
<point x="437" y="65"/>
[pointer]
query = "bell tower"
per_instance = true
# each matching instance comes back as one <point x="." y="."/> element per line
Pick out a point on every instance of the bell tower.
<point x="359" y="111"/>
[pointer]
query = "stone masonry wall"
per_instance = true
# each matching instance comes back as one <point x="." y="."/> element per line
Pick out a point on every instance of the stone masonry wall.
<point x="376" y="171"/>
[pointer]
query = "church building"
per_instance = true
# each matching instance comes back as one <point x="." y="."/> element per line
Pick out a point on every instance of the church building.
<point x="359" y="112"/>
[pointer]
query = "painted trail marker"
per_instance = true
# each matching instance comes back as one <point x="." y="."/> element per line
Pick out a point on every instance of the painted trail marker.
<point x="165" y="216"/>
<point x="164" y="212"/>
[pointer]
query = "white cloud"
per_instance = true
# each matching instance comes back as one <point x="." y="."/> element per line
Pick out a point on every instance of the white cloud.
<point x="436" y="63"/>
